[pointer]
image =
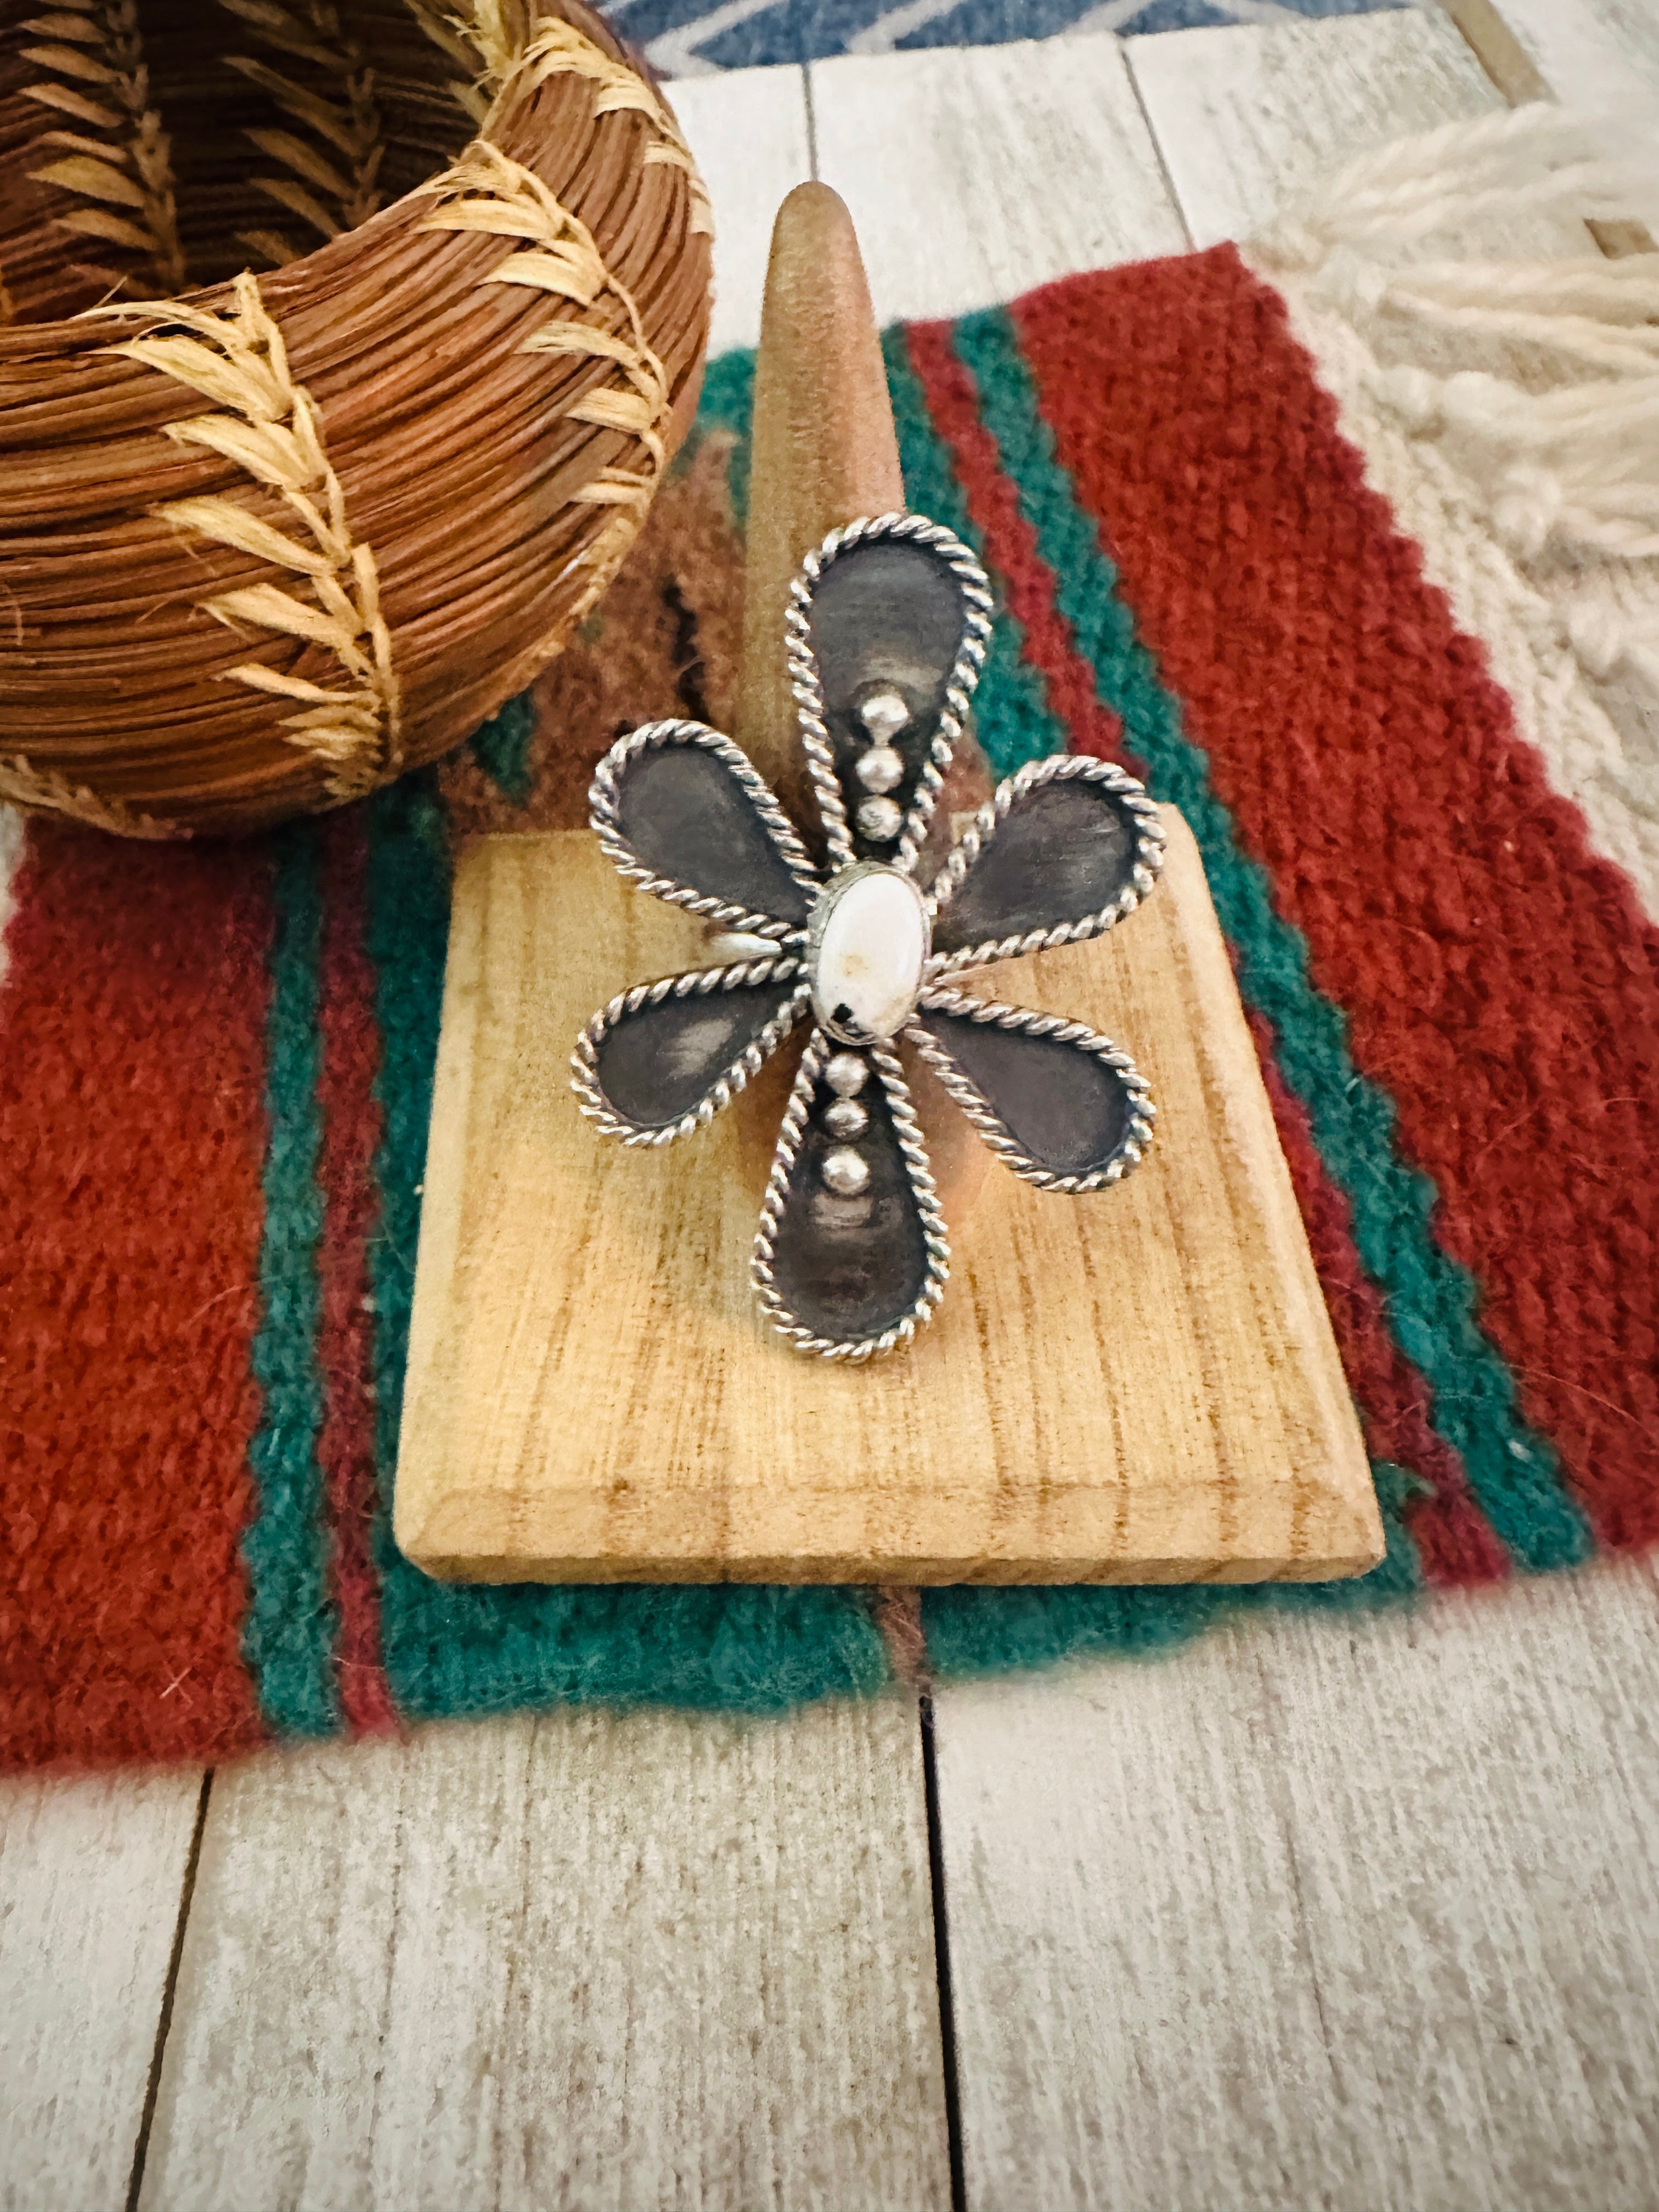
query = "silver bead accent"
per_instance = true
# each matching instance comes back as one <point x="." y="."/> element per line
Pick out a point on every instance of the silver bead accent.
<point x="845" y="1072"/>
<point x="880" y="821"/>
<point x="845" y="1173"/>
<point x="883" y="713"/>
<point x="846" y="1118"/>
<point x="880" y="769"/>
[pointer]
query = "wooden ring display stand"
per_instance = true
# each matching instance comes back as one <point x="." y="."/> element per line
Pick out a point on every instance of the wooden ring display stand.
<point x="1137" y="1386"/>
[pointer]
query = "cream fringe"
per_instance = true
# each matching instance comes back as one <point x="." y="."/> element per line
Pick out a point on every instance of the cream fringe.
<point x="1508" y="410"/>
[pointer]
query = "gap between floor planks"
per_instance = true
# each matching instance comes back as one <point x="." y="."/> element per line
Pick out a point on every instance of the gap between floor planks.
<point x="581" y="1959"/>
<point x="93" y="1871"/>
<point x="1361" y="1914"/>
<point x="92" y="1879"/>
<point x="1356" y="1914"/>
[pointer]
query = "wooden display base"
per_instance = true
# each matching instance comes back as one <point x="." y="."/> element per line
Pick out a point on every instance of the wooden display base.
<point x="1137" y="1386"/>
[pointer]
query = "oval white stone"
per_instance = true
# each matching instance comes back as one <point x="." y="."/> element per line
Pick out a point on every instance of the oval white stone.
<point x="866" y="945"/>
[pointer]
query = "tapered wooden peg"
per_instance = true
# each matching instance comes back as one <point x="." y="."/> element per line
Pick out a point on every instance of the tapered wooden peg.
<point x="823" y="451"/>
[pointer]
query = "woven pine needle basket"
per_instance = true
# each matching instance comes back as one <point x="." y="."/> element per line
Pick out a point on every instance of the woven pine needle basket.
<point x="343" y="344"/>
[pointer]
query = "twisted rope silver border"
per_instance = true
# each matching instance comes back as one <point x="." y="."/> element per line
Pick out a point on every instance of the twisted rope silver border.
<point x="595" y="1107"/>
<point x="908" y="1130"/>
<point x="990" y="1125"/>
<point x="602" y="800"/>
<point x="1059" y="768"/>
<point x="809" y="692"/>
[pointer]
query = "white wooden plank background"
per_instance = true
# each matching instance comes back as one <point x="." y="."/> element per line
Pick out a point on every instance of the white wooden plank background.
<point x="582" y="1959"/>
<point x="589" y="1960"/>
<point x="973" y="175"/>
<point x="1245" y="118"/>
<point x="395" y="1981"/>
<point x="1290" y="1920"/>
<point x="1600" y="55"/>
<point x="753" y="142"/>
<point x="92" y="1872"/>
<point x="1365" y="1917"/>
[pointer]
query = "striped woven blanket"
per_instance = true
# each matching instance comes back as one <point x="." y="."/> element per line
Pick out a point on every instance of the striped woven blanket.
<point x="1375" y="610"/>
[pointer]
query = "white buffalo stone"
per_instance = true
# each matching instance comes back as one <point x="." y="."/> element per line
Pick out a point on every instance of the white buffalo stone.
<point x="866" y="948"/>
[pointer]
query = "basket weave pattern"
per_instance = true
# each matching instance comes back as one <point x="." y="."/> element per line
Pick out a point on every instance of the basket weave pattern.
<point x="324" y="427"/>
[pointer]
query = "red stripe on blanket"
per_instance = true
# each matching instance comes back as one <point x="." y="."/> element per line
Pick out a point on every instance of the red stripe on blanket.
<point x="345" y="1348"/>
<point x="1499" y="979"/>
<point x="1012" y="547"/>
<point x="1453" y="1541"/>
<point x="1453" y="1538"/>
<point x="132" y="1087"/>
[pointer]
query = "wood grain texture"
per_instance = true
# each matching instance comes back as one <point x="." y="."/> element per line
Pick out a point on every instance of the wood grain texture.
<point x="1497" y="50"/>
<point x="1246" y="117"/>
<point x="823" y="451"/>
<point x="583" y="1959"/>
<point x="92" y="1872"/>
<point x="1362" y="1915"/>
<point x="593" y="1394"/>
<point x="749" y="131"/>
<point x="1595" y="54"/>
<point x="974" y="174"/>
<point x="1353" y="1914"/>
<point x="1530" y="1931"/>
